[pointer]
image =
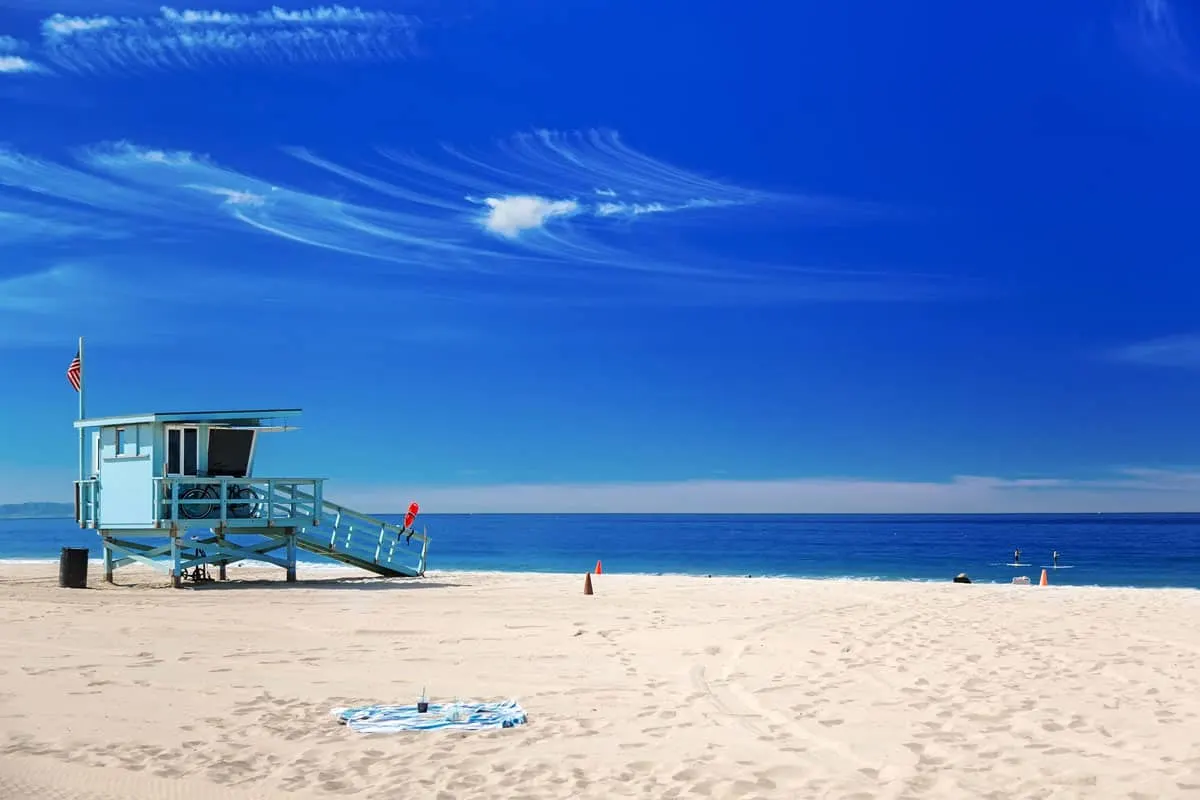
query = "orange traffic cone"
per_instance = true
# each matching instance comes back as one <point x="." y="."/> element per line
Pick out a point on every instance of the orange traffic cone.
<point x="1044" y="581"/>
<point x="599" y="567"/>
<point x="587" y="584"/>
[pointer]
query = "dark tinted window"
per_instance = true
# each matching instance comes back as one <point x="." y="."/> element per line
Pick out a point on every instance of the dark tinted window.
<point x="189" y="451"/>
<point x="229" y="452"/>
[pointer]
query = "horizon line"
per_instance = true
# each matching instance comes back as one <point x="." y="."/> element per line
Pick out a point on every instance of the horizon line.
<point x="401" y="513"/>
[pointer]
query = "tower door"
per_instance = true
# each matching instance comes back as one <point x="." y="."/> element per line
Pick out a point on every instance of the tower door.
<point x="183" y="451"/>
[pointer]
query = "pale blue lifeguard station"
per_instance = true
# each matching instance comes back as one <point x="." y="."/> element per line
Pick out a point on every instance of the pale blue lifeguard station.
<point x="177" y="492"/>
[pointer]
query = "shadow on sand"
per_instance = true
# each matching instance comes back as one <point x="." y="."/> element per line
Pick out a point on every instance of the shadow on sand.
<point x="359" y="584"/>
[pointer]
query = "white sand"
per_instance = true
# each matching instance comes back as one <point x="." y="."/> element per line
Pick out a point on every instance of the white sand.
<point x="654" y="687"/>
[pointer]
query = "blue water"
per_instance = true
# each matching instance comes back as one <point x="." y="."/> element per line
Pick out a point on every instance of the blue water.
<point x="1108" y="549"/>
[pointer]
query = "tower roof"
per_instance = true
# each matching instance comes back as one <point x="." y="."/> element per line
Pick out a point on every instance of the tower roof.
<point x="245" y="417"/>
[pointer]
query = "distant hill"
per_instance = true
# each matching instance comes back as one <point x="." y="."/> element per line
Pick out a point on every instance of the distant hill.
<point x="37" y="510"/>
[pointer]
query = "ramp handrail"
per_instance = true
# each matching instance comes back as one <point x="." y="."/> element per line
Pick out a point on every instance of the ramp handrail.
<point x="362" y="536"/>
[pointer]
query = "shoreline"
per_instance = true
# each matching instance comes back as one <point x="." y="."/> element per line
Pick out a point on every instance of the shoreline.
<point x="724" y="515"/>
<point x="258" y="572"/>
<point x="1151" y="551"/>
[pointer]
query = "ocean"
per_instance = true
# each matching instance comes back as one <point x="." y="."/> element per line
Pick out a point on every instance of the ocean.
<point x="1095" y="549"/>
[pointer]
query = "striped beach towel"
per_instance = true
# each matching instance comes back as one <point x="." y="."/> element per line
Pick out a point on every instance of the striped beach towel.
<point x="463" y="716"/>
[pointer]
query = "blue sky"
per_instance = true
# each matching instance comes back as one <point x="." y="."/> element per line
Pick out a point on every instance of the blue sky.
<point x="617" y="255"/>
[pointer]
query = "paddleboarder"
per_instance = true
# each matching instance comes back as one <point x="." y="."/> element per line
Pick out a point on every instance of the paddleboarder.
<point x="1017" y="556"/>
<point x="1054" y="558"/>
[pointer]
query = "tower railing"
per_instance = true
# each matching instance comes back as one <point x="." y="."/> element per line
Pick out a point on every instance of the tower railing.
<point x="238" y="501"/>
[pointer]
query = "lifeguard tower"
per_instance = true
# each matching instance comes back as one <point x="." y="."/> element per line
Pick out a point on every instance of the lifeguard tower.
<point x="177" y="492"/>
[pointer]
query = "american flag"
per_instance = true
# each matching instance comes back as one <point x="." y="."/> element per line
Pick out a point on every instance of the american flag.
<point x="73" y="371"/>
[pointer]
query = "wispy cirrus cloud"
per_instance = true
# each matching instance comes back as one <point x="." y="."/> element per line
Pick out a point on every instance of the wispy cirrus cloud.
<point x="1181" y="350"/>
<point x="1126" y="491"/>
<point x="71" y="288"/>
<point x="53" y="299"/>
<point x="45" y="300"/>
<point x="38" y="303"/>
<point x="1156" y="32"/>
<point x="1130" y="490"/>
<point x="549" y="206"/>
<point x="36" y="225"/>
<point x="29" y="291"/>
<point x="191" y="39"/>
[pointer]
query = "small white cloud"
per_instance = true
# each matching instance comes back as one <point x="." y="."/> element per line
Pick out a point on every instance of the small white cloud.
<point x="233" y="197"/>
<point x="515" y="213"/>
<point x="125" y="151"/>
<point x="188" y="17"/>
<point x="173" y="157"/>
<point x="14" y="64"/>
<point x="631" y="209"/>
<point x="62" y="25"/>
<point x="10" y="45"/>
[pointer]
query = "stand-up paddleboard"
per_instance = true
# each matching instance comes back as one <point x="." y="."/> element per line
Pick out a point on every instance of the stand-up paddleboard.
<point x="1059" y="566"/>
<point x="1022" y="564"/>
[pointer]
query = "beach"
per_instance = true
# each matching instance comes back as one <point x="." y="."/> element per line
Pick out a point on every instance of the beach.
<point x="655" y="686"/>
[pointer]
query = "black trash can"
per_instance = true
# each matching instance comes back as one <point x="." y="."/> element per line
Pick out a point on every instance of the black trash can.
<point x="72" y="567"/>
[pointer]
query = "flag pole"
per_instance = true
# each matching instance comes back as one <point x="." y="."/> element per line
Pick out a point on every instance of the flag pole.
<point x="82" y="383"/>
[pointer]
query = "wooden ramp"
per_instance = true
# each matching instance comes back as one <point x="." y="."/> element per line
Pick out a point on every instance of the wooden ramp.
<point x="362" y="541"/>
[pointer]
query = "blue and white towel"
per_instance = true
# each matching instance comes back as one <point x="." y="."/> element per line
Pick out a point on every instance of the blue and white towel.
<point x="463" y="716"/>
